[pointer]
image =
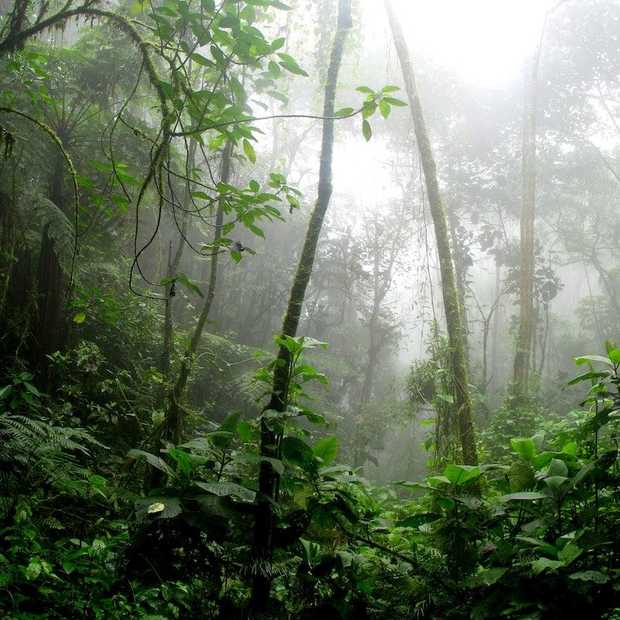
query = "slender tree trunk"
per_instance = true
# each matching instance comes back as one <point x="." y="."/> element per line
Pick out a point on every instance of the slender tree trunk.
<point x="496" y="322"/>
<point x="543" y="347"/>
<point x="173" y="425"/>
<point x="454" y="319"/>
<point x="527" y="320"/>
<point x="527" y="232"/>
<point x="173" y="264"/>
<point x="268" y="478"/>
<point x="460" y="271"/>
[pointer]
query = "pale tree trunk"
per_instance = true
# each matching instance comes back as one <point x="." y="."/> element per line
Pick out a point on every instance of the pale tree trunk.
<point x="527" y="267"/>
<point x="454" y="319"/>
<point x="521" y="373"/>
<point x="268" y="478"/>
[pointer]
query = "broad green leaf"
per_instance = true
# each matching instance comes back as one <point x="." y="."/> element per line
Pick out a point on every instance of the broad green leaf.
<point x="326" y="449"/>
<point x="524" y="447"/>
<point x="151" y="459"/>
<point x="158" y="507"/>
<point x="298" y="452"/>
<point x="557" y="467"/>
<point x="614" y="355"/>
<point x="569" y="553"/>
<point x="590" y="575"/>
<point x="79" y="318"/>
<point x="542" y="564"/>
<point x="227" y="489"/>
<point x="461" y="474"/>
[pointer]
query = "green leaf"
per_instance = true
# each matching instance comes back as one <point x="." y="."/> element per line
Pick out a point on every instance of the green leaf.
<point x="523" y="496"/>
<point x="326" y="449"/>
<point x="569" y="553"/>
<point x="159" y="507"/>
<point x="461" y="474"/>
<point x="249" y="151"/>
<point x="79" y="318"/>
<point x="367" y="130"/>
<point x="557" y="467"/>
<point x="524" y="447"/>
<point x="384" y="108"/>
<point x="227" y="489"/>
<point x="345" y="112"/>
<point x="614" y="355"/>
<point x="298" y="452"/>
<point x="277" y="44"/>
<point x="369" y="108"/>
<point x="182" y="279"/>
<point x="290" y="64"/>
<point x="586" y="359"/>
<point x="590" y="575"/>
<point x="395" y="102"/>
<point x="152" y="460"/>
<point x="542" y="564"/>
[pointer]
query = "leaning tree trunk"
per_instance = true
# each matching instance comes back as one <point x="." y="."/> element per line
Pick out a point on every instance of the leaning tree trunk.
<point x="173" y="424"/>
<point x="454" y="319"/>
<point x="268" y="478"/>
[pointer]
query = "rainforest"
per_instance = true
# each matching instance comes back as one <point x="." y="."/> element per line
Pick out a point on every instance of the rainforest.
<point x="309" y="309"/>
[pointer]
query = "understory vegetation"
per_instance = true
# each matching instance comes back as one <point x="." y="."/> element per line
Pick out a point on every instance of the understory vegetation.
<point x="431" y="431"/>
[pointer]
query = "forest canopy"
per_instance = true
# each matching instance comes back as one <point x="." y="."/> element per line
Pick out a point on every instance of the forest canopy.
<point x="309" y="309"/>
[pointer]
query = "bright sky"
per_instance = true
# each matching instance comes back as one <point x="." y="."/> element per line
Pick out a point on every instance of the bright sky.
<point x="485" y="41"/>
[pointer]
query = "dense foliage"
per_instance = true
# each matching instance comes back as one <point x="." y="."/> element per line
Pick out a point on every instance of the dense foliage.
<point x="157" y="186"/>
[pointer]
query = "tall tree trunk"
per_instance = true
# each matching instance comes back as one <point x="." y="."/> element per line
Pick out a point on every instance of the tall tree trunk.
<point x="527" y="231"/>
<point x="454" y="319"/>
<point x="174" y="260"/>
<point x="268" y="478"/>
<point x="496" y="322"/>
<point x="173" y="425"/>
<point x="460" y="271"/>
<point x="527" y="267"/>
<point x="545" y="340"/>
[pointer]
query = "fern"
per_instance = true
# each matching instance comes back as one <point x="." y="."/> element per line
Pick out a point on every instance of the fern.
<point x="34" y="451"/>
<point x="37" y="208"/>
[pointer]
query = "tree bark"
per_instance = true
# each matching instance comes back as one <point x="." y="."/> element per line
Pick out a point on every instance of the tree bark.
<point x="527" y="319"/>
<point x="521" y="373"/>
<point x="268" y="478"/>
<point x="454" y="319"/>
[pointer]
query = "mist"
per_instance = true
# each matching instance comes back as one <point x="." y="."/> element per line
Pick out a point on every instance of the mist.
<point x="306" y="304"/>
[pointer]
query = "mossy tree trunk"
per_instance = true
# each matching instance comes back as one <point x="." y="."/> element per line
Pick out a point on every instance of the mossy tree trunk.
<point x="523" y="353"/>
<point x="268" y="478"/>
<point x="454" y="318"/>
